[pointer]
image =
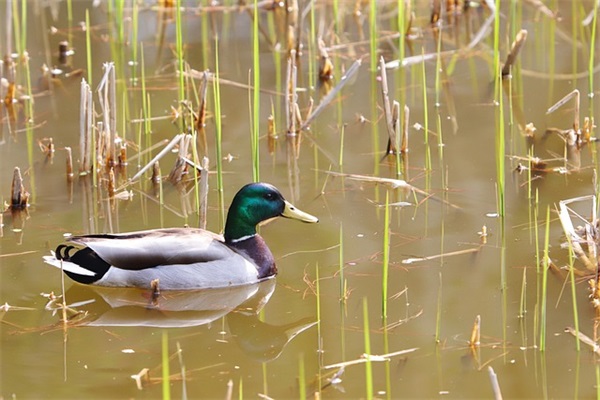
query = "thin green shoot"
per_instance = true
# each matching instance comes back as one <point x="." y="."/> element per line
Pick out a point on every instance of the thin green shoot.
<point x="24" y="25"/>
<point x="256" y="92"/>
<point x="302" y="377"/>
<point x="386" y="256"/>
<point x="438" y="318"/>
<point x="336" y="17"/>
<point x="341" y="261"/>
<point x="573" y="290"/>
<point x="205" y="34"/>
<point x="145" y="98"/>
<point x="166" y="384"/>
<point x="179" y="41"/>
<point x="312" y="79"/>
<point x="241" y="389"/>
<point x="319" y="333"/>
<point x="428" y="167"/>
<point x="17" y="28"/>
<point x="341" y="158"/>
<point x="373" y="35"/>
<point x="545" y="266"/>
<point x="88" y="46"/>
<point x="523" y="299"/>
<point x="597" y="381"/>
<point x="218" y="134"/>
<point x="134" y="44"/>
<point x="592" y="50"/>
<point x="500" y="139"/>
<point x="367" y="339"/>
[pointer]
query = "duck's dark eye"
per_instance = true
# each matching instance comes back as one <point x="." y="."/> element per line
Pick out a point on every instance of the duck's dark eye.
<point x="269" y="196"/>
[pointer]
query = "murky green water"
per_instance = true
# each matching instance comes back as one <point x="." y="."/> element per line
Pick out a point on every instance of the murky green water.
<point x="262" y="354"/>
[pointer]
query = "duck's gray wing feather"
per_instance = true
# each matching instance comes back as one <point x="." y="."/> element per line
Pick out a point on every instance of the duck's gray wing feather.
<point x="147" y="249"/>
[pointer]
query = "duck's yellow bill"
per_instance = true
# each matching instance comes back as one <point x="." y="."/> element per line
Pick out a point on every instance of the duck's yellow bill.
<point x="292" y="212"/>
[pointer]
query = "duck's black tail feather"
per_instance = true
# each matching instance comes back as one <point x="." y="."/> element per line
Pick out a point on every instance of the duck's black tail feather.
<point x="85" y="258"/>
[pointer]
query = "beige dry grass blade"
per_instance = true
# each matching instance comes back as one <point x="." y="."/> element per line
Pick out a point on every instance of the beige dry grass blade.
<point x="371" y="357"/>
<point x="452" y="253"/>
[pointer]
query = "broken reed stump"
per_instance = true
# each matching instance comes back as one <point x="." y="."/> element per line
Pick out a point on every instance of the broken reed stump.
<point x="19" y="197"/>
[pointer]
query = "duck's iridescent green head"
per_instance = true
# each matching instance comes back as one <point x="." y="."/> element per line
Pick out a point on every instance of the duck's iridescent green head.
<point x="257" y="202"/>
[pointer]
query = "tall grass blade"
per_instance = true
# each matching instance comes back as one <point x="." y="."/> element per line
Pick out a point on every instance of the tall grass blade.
<point x="367" y="340"/>
<point x="386" y="256"/>
<point x="166" y="384"/>
<point x="545" y="266"/>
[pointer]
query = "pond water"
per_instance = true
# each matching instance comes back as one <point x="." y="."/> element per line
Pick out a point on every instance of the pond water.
<point x="283" y="339"/>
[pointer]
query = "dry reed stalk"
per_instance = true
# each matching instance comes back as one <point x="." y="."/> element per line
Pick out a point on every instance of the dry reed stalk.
<point x="155" y="173"/>
<point x="541" y="7"/>
<point x="371" y="357"/>
<point x="69" y="164"/>
<point x="204" y="192"/>
<point x="405" y="127"/>
<point x="291" y="20"/>
<point x="19" y="197"/>
<point x="122" y="158"/>
<point x="584" y="339"/>
<point x="85" y="128"/>
<point x="495" y="384"/>
<point x="108" y="103"/>
<point x="180" y="167"/>
<point x="347" y="77"/>
<point x="160" y="155"/>
<point x="111" y="183"/>
<point x="271" y="134"/>
<point x="483" y="32"/>
<point x="452" y="253"/>
<point x="292" y="109"/>
<point x="391" y="148"/>
<point x="201" y="119"/>
<point x="325" y="64"/>
<point x="576" y="239"/>
<point x="515" y="49"/>
<point x="475" y="340"/>
<point x="393" y="141"/>
<point x="436" y="11"/>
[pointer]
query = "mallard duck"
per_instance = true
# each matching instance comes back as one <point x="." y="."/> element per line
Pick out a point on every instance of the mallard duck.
<point x="183" y="258"/>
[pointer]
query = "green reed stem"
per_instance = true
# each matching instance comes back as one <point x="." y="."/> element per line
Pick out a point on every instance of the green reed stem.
<point x="241" y="389"/>
<point x="88" y="46"/>
<point x="120" y="8"/>
<point x="256" y="92"/>
<point x="373" y="34"/>
<point x="218" y="133"/>
<point x="319" y="334"/>
<point x="336" y="17"/>
<point x="573" y="291"/>
<point x="24" y="24"/>
<point x="593" y="49"/>
<point x="302" y="377"/>
<point x="179" y="42"/>
<point x="401" y="29"/>
<point x="341" y="158"/>
<point x="341" y="261"/>
<point x="500" y="140"/>
<point x="523" y="299"/>
<point x="367" y="339"/>
<point x="426" y="117"/>
<point x="166" y="385"/>
<point x="17" y="27"/>
<point x="386" y="255"/>
<point x="134" y="44"/>
<point x="545" y="265"/>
